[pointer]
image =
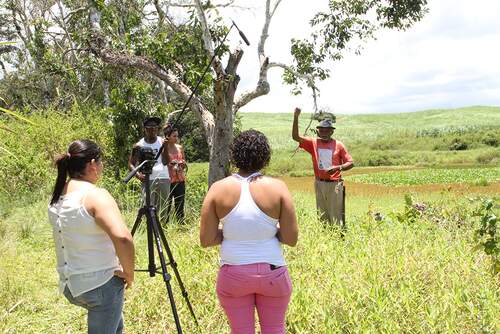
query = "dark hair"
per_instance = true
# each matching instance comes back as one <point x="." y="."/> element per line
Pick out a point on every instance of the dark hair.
<point x="250" y="151"/>
<point x="168" y="129"/>
<point x="73" y="163"/>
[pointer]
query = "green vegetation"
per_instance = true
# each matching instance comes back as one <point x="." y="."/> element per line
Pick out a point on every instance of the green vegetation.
<point x="480" y="176"/>
<point x="467" y="136"/>
<point x="421" y="263"/>
<point x="386" y="276"/>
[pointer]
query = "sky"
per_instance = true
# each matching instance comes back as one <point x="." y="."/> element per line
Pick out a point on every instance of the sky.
<point x="449" y="59"/>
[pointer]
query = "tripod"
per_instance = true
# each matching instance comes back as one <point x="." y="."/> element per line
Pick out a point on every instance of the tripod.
<point x="156" y="237"/>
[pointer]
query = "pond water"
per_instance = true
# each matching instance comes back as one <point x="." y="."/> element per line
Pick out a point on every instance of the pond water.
<point x="306" y="184"/>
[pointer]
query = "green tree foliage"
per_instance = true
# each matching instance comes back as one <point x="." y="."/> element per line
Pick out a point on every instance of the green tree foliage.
<point x="55" y="65"/>
<point x="343" y="27"/>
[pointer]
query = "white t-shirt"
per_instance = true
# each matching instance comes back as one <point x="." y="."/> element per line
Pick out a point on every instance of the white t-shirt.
<point x="86" y="256"/>
<point x="160" y="171"/>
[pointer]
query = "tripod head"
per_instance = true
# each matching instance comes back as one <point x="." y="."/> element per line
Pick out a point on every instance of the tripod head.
<point x="147" y="159"/>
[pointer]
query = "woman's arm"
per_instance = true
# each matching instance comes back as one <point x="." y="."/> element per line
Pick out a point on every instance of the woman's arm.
<point x="289" y="231"/>
<point x="210" y="233"/>
<point x="107" y="215"/>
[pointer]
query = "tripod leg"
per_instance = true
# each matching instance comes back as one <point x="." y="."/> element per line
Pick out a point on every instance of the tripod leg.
<point x="172" y="262"/>
<point x="153" y="223"/>
<point x="151" y="250"/>
<point x="138" y="219"/>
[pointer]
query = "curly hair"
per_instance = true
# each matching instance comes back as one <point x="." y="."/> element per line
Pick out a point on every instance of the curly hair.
<point x="250" y="151"/>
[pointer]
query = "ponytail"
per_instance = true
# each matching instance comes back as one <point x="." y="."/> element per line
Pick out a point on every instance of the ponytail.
<point x="72" y="164"/>
<point x="62" y="173"/>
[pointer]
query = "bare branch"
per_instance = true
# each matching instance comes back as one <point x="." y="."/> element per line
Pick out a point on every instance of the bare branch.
<point x="275" y="7"/>
<point x="161" y="13"/>
<point x="207" y="39"/>
<point x="4" y="70"/>
<point x="230" y="3"/>
<point x="262" y="87"/>
<point x="7" y="48"/>
<point x="62" y="24"/>
<point x="72" y="13"/>
<point x="308" y="79"/>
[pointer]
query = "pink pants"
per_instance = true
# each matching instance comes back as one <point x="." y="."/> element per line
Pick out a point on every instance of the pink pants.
<point x="242" y="288"/>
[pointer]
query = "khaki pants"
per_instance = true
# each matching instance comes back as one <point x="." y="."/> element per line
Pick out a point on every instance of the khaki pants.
<point x="329" y="201"/>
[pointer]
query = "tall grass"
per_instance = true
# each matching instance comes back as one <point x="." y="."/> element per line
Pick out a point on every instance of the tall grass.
<point x="385" y="276"/>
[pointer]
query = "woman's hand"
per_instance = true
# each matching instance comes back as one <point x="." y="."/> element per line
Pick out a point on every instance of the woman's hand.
<point x="128" y="278"/>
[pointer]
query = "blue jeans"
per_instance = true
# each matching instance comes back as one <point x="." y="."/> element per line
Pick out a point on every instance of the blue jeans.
<point x="105" y="304"/>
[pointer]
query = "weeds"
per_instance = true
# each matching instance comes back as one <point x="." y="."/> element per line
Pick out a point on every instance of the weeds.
<point x="486" y="234"/>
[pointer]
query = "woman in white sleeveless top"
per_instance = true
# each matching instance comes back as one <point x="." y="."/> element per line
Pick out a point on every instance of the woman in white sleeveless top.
<point x="94" y="249"/>
<point x="257" y="217"/>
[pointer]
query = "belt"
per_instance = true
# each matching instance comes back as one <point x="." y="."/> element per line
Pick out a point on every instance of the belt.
<point x="329" y="180"/>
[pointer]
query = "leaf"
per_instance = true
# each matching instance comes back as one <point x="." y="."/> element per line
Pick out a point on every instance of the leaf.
<point x="17" y="115"/>
<point x="7" y="151"/>
<point x="3" y="127"/>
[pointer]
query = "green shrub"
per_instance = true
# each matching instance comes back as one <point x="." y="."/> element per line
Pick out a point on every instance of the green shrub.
<point x="196" y="189"/>
<point x="488" y="157"/>
<point x="482" y="182"/>
<point x="486" y="234"/>
<point x="491" y="138"/>
<point x="458" y="144"/>
<point x="34" y="147"/>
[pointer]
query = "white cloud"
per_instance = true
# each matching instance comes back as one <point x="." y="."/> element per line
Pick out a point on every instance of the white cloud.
<point x="449" y="59"/>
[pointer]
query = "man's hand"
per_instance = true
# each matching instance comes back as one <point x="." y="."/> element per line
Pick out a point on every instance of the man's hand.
<point x="296" y="112"/>
<point x="128" y="278"/>
<point x="140" y="176"/>
<point x="332" y="170"/>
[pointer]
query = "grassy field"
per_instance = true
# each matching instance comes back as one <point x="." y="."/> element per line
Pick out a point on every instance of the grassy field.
<point x="398" y="269"/>
<point x="467" y="136"/>
<point x="385" y="276"/>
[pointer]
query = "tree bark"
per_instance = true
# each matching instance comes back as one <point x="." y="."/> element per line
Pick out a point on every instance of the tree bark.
<point x="224" y="90"/>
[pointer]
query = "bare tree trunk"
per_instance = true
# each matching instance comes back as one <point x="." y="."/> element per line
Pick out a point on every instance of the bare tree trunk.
<point x="222" y="136"/>
<point x="224" y="90"/>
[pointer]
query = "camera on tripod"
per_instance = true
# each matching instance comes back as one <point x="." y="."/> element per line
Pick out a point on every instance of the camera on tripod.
<point x="146" y="154"/>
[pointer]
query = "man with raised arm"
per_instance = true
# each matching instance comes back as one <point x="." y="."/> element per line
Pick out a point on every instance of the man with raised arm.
<point x="329" y="158"/>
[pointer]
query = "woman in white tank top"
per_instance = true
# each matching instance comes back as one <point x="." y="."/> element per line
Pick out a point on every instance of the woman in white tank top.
<point x="95" y="251"/>
<point x="257" y="217"/>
